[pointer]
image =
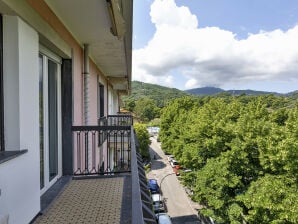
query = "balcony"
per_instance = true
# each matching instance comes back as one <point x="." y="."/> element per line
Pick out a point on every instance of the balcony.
<point x="109" y="184"/>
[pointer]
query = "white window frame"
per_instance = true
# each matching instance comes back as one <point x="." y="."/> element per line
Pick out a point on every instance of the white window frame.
<point x="48" y="55"/>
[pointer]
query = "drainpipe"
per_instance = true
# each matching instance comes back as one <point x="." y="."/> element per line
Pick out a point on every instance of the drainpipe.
<point x="86" y="85"/>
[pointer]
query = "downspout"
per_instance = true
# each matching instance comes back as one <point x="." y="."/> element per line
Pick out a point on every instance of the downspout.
<point x="86" y="85"/>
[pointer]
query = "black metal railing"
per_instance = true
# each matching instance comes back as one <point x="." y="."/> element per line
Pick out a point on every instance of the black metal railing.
<point x="101" y="149"/>
<point x="116" y="120"/>
<point x="141" y="201"/>
<point x="112" y="147"/>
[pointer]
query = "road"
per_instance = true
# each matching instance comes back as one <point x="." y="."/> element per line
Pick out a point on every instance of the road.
<point x="180" y="207"/>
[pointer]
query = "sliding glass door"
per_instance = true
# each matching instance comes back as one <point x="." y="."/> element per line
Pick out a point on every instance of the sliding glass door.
<point x="53" y="118"/>
<point x="50" y="120"/>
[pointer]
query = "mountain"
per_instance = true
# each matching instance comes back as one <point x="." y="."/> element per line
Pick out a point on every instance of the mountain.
<point x="160" y="94"/>
<point x="205" y="91"/>
<point x="293" y="95"/>
<point x="214" y="91"/>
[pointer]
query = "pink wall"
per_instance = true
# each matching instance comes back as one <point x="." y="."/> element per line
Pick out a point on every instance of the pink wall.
<point x="78" y="79"/>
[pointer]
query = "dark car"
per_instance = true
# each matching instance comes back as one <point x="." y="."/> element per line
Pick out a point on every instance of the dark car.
<point x="153" y="186"/>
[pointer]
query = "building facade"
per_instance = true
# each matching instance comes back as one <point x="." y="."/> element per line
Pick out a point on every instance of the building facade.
<point x="63" y="64"/>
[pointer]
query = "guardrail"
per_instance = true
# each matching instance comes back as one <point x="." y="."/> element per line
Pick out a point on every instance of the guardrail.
<point x="101" y="149"/>
<point x="141" y="201"/>
<point x="116" y="120"/>
<point x="112" y="148"/>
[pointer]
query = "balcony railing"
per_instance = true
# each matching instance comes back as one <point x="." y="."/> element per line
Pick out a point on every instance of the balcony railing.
<point x="102" y="149"/>
<point x="141" y="201"/>
<point x="116" y="120"/>
<point x="111" y="148"/>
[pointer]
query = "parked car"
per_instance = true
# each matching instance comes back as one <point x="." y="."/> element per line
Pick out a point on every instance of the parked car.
<point x="158" y="203"/>
<point x="174" y="163"/>
<point x="170" y="158"/>
<point x="153" y="186"/>
<point x="176" y="171"/>
<point x="163" y="218"/>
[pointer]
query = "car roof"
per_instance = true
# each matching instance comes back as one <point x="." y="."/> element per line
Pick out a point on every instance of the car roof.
<point x="156" y="197"/>
<point x="152" y="181"/>
<point x="164" y="218"/>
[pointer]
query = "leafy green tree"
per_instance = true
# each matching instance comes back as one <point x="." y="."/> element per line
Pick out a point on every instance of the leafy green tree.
<point x="271" y="199"/>
<point x="130" y="105"/>
<point x="243" y="152"/>
<point x="172" y="122"/>
<point x="146" y="110"/>
<point x="143" y="139"/>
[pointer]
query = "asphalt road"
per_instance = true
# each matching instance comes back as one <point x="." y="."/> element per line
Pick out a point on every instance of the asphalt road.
<point x="181" y="209"/>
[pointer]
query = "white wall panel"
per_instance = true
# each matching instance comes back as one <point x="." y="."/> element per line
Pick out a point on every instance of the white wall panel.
<point x="19" y="177"/>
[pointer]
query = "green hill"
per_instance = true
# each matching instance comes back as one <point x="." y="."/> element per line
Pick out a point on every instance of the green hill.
<point x="160" y="94"/>
<point x="213" y="91"/>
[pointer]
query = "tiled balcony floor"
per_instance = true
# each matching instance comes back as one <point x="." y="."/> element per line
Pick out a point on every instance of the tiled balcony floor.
<point x="98" y="200"/>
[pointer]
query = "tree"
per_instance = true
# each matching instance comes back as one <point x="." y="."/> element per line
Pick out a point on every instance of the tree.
<point x="243" y="152"/>
<point x="173" y="119"/>
<point x="271" y="199"/>
<point x="146" y="110"/>
<point x="143" y="139"/>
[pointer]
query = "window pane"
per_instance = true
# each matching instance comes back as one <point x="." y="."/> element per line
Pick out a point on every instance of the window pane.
<point x="101" y="100"/>
<point x="53" y="122"/>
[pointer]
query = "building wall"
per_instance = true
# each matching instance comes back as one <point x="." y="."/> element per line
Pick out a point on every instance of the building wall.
<point x="19" y="177"/>
<point x="95" y="78"/>
<point x="77" y="55"/>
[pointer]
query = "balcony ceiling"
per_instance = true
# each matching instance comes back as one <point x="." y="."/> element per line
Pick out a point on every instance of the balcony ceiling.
<point x="90" y="23"/>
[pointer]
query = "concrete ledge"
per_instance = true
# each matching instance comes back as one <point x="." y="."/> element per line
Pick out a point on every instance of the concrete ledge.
<point x="8" y="155"/>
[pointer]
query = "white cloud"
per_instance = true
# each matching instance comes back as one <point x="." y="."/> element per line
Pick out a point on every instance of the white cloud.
<point x="211" y="56"/>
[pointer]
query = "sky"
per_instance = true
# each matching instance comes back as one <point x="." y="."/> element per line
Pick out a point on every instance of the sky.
<point x="229" y="44"/>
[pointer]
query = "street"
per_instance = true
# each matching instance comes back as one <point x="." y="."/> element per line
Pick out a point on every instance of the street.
<point x="181" y="209"/>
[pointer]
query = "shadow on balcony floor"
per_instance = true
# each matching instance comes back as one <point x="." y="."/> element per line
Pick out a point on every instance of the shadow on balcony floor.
<point x="96" y="200"/>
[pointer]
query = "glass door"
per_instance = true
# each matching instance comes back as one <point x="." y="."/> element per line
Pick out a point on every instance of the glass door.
<point x="53" y="119"/>
<point x="50" y="120"/>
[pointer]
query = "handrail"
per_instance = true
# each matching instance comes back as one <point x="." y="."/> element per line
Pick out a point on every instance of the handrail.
<point x="92" y="141"/>
<point x="141" y="212"/>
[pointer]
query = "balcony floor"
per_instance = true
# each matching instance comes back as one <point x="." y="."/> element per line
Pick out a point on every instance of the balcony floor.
<point x="96" y="200"/>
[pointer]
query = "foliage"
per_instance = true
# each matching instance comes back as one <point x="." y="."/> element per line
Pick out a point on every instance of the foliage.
<point x="146" y="110"/>
<point x="159" y="94"/>
<point x="143" y="140"/>
<point x="154" y="123"/>
<point x="157" y="97"/>
<point x="243" y="152"/>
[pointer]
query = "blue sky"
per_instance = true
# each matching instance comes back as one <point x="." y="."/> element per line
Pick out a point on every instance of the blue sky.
<point x="231" y="44"/>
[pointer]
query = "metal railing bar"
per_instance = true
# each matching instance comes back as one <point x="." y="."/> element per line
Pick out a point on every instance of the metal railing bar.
<point x="100" y="128"/>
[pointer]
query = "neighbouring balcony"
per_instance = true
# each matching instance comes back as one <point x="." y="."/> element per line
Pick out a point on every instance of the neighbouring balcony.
<point x="109" y="184"/>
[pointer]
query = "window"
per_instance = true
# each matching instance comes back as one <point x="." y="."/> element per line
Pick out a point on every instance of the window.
<point x="49" y="118"/>
<point x="101" y="100"/>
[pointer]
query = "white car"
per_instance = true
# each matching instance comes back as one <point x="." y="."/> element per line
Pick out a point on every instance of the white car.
<point x="158" y="203"/>
<point x="163" y="218"/>
<point x="174" y="163"/>
<point x="170" y="158"/>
